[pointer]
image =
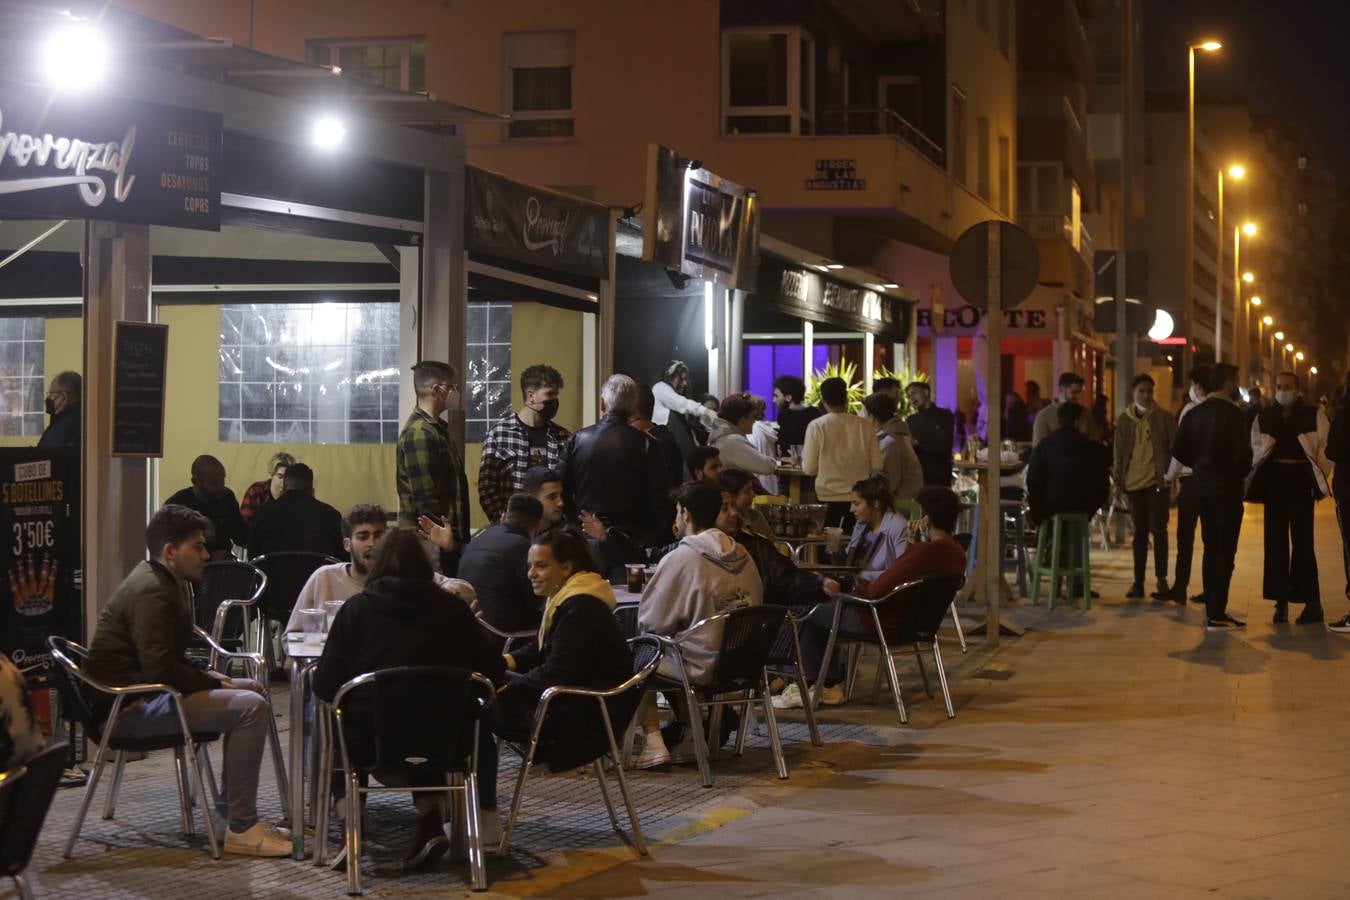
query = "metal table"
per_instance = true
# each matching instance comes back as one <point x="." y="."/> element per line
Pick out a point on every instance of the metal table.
<point x="301" y="659"/>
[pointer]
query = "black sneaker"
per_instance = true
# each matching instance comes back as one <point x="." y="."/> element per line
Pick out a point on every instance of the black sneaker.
<point x="1177" y="596"/>
<point x="1162" y="591"/>
<point x="1135" y="592"/>
<point x="1281" y="614"/>
<point x="1311" y="615"/>
<point x="1340" y="627"/>
<point x="1223" y="623"/>
<point x="1198" y="598"/>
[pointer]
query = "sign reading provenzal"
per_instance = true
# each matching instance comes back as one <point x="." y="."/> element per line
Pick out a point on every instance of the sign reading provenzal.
<point x="89" y="158"/>
<point x="698" y="223"/>
<point x="536" y="226"/>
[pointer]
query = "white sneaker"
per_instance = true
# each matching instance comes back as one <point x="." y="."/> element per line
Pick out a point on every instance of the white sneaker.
<point x="260" y="840"/>
<point x="651" y="751"/>
<point x="831" y="696"/>
<point x="790" y="698"/>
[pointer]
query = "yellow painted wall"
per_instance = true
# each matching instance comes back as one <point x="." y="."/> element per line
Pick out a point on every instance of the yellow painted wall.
<point x="63" y="350"/>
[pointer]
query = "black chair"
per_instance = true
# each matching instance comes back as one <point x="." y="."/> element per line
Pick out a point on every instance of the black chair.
<point x="747" y="639"/>
<point x="409" y="736"/>
<point x="286" y="572"/>
<point x="25" y="797"/>
<point x="76" y="685"/>
<point x="925" y="602"/>
<point x="785" y="661"/>
<point x="618" y="706"/>
<point x="227" y="585"/>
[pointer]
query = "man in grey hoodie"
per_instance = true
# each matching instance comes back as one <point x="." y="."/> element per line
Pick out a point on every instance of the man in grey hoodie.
<point x="706" y="574"/>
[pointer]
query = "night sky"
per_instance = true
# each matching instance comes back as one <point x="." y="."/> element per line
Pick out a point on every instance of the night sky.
<point x="1289" y="59"/>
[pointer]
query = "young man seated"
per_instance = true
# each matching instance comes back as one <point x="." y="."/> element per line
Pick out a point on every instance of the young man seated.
<point x="362" y="529"/>
<point x="142" y="637"/>
<point x="495" y="563"/>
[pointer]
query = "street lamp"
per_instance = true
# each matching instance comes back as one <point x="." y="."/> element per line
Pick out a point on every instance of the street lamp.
<point x="1208" y="45"/>
<point x="1248" y="277"/>
<point x="1249" y="228"/>
<point x="1237" y="173"/>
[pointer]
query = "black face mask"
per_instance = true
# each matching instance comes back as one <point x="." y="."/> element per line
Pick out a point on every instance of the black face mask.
<point x="49" y="406"/>
<point x="548" y="410"/>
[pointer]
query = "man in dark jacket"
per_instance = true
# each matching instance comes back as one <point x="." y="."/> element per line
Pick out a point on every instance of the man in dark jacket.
<point x="142" y="636"/>
<point x="932" y="429"/>
<point x="209" y="496"/>
<point x="63" y="405"/>
<point x="1212" y="441"/>
<point x="1338" y="451"/>
<point x="297" y="520"/>
<point x="1288" y="478"/>
<point x="496" y="563"/>
<point x="1067" y="471"/>
<point x="616" y="472"/>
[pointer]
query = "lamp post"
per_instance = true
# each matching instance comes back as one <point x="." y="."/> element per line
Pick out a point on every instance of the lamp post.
<point x="1188" y="272"/>
<point x="1261" y="324"/>
<point x="1288" y="352"/>
<point x="1249" y="229"/>
<point x="1237" y="173"/>
<point x="1275" y="336"/>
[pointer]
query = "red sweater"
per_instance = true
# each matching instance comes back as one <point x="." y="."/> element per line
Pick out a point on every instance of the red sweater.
<point x="943" y="556"/>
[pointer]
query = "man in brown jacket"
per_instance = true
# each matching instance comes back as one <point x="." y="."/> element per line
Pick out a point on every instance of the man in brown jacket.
<point x="142" y="637"/>
<point x="1144" y="435"/>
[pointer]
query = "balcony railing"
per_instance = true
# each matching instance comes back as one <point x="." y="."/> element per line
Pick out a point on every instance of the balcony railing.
<point x="1047" y="226"/>
<point x="877" y="122"/>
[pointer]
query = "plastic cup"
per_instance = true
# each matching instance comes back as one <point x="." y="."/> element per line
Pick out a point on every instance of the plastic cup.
<point x="311" y="622"/>
<point x="834" y="537"/>
<point x="636" y="575"/>
<point x="330" y="611"/>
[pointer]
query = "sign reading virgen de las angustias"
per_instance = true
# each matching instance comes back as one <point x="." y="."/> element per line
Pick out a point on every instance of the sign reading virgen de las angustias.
<point x="91" y="157"/>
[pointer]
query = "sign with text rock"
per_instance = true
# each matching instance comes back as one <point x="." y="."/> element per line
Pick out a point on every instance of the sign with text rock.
<point x="140" y="358"/>
<point x="535" y="226"/>
<point x="94" y="158"/>
<point x="698" y="223"/>
<point x="40" y="555"/>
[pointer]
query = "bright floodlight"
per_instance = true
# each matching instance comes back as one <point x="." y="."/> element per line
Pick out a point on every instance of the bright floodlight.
<point x="1312" y="370"/>
<point x="1269" y="320"/>
<point x="328" y="132"/>
<point x="1210" y="46"/>
<point x="1162" y="326"/>
<point x="1299" y="356"/>
<point x="1289" y="347"/>
<point x="75" y="57"/>
<point x="1249" y="229"/>
<point x="1255" y="301"/>
<point x="1248" y="277"/>
<point x="1279" y="335"/>
<point x="1237" y="172"/>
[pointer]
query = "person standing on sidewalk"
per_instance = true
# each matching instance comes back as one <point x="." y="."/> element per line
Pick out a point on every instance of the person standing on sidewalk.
<point x="1179" y="479"/>
<point x="522" y="439"/>
<point x="1144" y="432"/>
<point x="932" y="429"/>
<point x="1047" y="420"/>
<point x="430" y="470"/>
<point x="1289" y="478"/>
<point x="1213" y="444"/>
<point x="1338" y="451"/>
<point x="841" y="450"/>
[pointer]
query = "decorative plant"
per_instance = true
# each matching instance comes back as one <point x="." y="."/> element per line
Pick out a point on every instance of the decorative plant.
<point x="906" y="378"/>
<point x="844" y="370"/>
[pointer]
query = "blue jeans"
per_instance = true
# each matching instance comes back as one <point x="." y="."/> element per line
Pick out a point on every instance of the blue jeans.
<point x="239" y="715"/>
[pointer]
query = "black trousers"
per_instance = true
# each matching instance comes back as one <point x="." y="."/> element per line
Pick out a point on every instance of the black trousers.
<point x="1343" y="519"/>
<point x="1220" y="526"/>
<point x="1148" y="513"/>
<point x="1188" y="516"/>
<point x="1291" y="560"/>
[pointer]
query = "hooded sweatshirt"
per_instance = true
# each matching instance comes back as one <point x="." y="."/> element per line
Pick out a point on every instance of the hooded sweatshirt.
<point x="899" y="462"/>
<point x="708" y="573"/>
<point x="402" y="622"/>
<point x="736" y="450"/>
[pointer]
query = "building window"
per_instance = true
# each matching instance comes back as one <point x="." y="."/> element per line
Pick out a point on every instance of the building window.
<point x="768" y="82"/>
<point x="488" y="385"/>
<point x="959" y="161"/>
<point x="982" y="173"/>
<point x="539" y="84"/>
<point x="399" y="64"/>
<point x="903" y="95"/>
<point x="1005" y="175"/>
<point x="309" y="373"/>
<point x="22" y="385"/>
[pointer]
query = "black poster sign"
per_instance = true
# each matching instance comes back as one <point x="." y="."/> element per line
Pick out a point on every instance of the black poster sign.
<point x="40" y="555"/>
<point x="140" y="358"/>
<point x="536" y="226"/>
<point x="808" y="295"/>
<point x="698" y="223"/>
<point x="87" y="157"/>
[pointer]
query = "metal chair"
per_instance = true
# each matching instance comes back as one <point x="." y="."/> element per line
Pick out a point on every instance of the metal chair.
<point x="785" y="661"/>
<point x="626" y="614"/>
<point x="508" y="638"/>
<point x="740" y="666"/>
<point x="411" y="736"/>
<point x="225" y="586"/>
<point x="26" y="794"/>
<point x="71" y="678"/>
<point x="925" y="602"/>
<point x="286" y="572"/>
<point x="618" y="706"/>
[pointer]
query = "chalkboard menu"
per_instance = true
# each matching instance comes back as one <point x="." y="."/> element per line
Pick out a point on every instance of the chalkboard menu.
<point x="140" y="358"/>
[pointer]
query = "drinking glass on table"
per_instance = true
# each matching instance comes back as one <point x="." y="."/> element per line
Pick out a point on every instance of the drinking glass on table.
<point x="330" y="611"/>
<point x="312" y="623"/>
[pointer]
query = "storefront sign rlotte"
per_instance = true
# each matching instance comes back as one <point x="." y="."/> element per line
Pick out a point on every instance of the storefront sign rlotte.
<point x="698" y="223"/>
<point x="836" y="175"/>
<point x="536" y="226"/>
<point x="95" y="158"/>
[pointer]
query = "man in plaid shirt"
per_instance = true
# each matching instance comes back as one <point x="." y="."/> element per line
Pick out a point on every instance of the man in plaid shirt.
<point x="521" y="440"/>
<point x="431" y="479"/>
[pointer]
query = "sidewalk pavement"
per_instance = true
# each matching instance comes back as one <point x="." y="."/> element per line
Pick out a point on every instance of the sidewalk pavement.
<point x="1118" y="752"/>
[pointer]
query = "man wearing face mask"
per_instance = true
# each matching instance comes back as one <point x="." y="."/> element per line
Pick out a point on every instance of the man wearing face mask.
<point x="1144" y="433"/>
<point x="1179" y="479"/>
<point x="1288" y="444"/>
<point x="522" y="439"/>
<point x="63" y="405"/>
<point x="430" y="474"/>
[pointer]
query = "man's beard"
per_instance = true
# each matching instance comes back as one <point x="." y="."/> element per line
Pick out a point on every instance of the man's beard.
<point x="359" y="566"/>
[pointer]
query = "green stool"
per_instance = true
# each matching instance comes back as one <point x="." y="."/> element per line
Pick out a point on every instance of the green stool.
<point x="1076" y="530"/>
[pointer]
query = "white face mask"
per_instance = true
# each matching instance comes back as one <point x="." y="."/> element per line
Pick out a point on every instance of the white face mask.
<point x="1195" y="394"/>
<point x="1143" y="410"/>
<point x="1285" y="398"/>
